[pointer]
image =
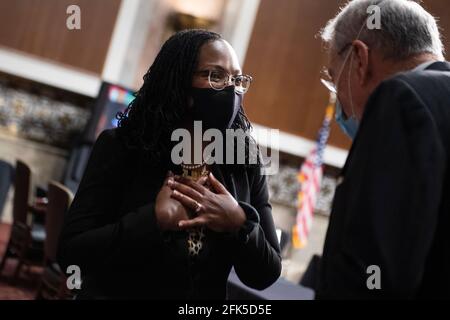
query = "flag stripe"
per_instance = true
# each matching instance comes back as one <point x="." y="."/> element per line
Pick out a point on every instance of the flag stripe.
<point x="309" y="179"/>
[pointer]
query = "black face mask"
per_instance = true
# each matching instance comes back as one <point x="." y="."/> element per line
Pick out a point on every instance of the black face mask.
<point x="216" y="109"/>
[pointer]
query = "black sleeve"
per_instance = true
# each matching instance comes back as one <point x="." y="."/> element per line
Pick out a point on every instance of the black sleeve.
<point x="387" y="207"/>
<point x="257" y="258"/>
<point x="94" y="236"/>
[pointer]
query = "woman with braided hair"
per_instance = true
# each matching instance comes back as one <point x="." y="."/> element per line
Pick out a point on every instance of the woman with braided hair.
<point x="143" y="226"/>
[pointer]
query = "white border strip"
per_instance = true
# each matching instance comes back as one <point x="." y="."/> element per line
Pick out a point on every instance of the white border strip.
<point x="237" y="25"/>
<point x="299" y="146"/>
<point x="120" y="39"/>
<point x="244" y="28"/>
<point x="52" y="74"/>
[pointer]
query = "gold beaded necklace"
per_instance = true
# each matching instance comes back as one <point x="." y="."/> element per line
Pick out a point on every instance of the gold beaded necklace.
<point x="194" y="171"/>
<point x="196" y="236"/>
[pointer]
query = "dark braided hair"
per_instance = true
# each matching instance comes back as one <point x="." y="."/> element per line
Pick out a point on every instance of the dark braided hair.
<point x="162" y="101"/>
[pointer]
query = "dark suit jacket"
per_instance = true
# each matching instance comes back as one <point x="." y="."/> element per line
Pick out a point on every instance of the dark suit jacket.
<point x="110" y="232"/>
<point x="392" y="208"/>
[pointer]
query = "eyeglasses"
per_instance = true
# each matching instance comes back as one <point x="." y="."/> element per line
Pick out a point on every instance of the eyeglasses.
<point x="329" y="85"/>
<point x="332" y="87"/>
<point x="220" y="79"/>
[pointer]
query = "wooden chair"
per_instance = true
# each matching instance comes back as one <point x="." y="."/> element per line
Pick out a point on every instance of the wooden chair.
<point x="20" y="237"/>
<point x="22" y="245"/>
<point x="6" y="180"/>
<point x="53" y="281"/>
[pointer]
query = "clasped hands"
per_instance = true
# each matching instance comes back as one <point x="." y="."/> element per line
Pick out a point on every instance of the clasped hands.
<point x="213" y="207"/>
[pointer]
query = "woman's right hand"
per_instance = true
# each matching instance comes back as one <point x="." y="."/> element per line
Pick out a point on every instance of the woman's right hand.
<point x="169" y="211"/>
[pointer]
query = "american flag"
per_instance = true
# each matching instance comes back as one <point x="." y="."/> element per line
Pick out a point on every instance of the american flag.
<point x="309" y="179"/>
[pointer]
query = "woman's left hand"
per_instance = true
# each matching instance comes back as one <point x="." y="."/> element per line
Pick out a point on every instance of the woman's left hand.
<point x="216" y="209"/>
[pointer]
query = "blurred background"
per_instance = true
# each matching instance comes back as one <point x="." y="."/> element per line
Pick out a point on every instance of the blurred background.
<point x="60" y="87"/>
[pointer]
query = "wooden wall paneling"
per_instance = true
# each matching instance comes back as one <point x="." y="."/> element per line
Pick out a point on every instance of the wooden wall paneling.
<point x="285" y="57"/>
<point x="441" y="10"/>
<point x="38" y="27"/>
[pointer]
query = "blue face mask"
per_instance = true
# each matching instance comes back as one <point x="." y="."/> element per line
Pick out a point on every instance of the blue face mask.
<point x="349" y="125"/>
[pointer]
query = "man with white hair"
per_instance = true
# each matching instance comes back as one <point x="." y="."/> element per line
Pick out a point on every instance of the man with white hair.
<point x="387" y="236"/>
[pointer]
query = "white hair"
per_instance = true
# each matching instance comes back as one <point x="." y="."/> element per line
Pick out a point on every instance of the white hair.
<point x="406" y="29"/>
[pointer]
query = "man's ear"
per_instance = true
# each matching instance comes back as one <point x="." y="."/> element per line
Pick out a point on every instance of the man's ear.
<point x="361" y="61"/>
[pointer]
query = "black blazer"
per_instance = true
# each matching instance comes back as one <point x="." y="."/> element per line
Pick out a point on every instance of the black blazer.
<point x="111" y="234"/>
<point x="392" y="208"/>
